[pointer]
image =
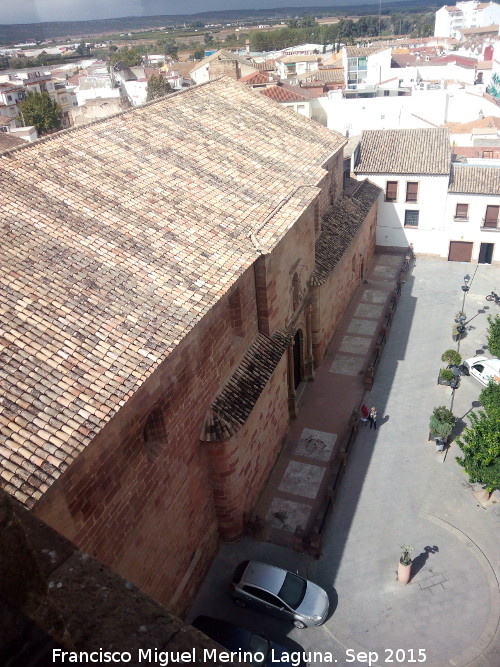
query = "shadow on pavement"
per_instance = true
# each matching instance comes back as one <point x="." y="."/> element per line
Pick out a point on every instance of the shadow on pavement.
<point x="420" y="560"/>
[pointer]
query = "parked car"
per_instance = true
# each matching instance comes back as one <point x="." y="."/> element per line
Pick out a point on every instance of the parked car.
<point x="234" y="638"/>
<point x="279" y="592"/>
<point x="483" y="369"/>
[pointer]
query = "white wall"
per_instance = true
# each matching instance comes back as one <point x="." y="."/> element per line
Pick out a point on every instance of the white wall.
<point x="136" y="91"/>
<point x="303" y="107"/>
<point x="94" y="93"/>
<point x="430" y="235"/>
<point x="470" y="230"/>
<point x="200" y="74"/>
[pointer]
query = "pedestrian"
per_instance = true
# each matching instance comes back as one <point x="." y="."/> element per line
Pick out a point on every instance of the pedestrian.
<point x="373" y="418"/>
<point x="364" y="414"/>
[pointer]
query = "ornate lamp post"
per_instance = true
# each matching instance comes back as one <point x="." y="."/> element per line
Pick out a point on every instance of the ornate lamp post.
<point x="462" y="317"/>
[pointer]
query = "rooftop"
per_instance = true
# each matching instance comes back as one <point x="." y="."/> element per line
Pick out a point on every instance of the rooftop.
<point x="418" y="151"/>
<point x="282" y="94"/>
<point x="466" y="179"/>
<point x="8" y="141"/>
<point x="363" y="51"/>
<point x="105" y="260"/>
<point x="479" y="124"/>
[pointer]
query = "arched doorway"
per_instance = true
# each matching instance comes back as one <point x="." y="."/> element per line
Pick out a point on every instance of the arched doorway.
<point x="297" y="342"/>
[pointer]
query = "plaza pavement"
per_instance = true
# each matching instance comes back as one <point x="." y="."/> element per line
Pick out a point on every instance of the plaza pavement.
<point x="396" y="490"/>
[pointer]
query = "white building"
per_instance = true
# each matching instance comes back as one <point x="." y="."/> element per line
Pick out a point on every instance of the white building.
<point x="289" y="66"/>
<point x="472" y="214"/>
<point x="450" y="20"/>
<point x="366" y="66"/>
<point x="445" y="210"/>
<point x="423" y="108"/>
<point x="412" y="169"/>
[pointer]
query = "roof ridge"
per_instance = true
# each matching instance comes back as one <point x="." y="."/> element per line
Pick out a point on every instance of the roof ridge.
<point x="76" y="128"/>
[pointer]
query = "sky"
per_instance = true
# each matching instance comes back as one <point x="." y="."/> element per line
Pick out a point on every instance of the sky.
<point x="34" y="11"/>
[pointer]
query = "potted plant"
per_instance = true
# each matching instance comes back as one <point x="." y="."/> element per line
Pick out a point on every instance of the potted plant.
<point x="452" y="358"/>
<point x="445" y="376"/>
<point x="441" y="423"/>
<point x="404" y="567"/>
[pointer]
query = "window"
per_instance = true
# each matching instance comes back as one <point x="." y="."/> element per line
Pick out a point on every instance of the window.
<point x="487" y="154"/>
<point x="391" y="191"/>
<point x="411" y="191"/>
<point x="411" y="218"/>
<point x="462" y="212"/>
<point x="154" y="434"/>
<point x="293" y="590"/>
<point x="262" y="595"/>
<point x="491" y="217"/>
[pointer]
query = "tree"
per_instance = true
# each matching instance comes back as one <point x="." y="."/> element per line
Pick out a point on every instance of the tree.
<point x="40" y="110"/>
<point x="493" y="335"/>
<point x="490" y="398"/>
<point x="480" y="444"/>
<point x="157" y="87"/>
<point x="441" y="422"/>
<point x="129" y="57"/>
<point x="82" y="49"/>
<point x="199" y="54"/>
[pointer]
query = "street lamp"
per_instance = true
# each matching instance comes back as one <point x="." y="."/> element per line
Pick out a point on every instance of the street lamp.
<point x="462" y="316"/>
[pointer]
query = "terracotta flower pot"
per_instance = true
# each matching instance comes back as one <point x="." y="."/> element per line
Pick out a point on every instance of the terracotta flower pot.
<point x="404" y="573"/>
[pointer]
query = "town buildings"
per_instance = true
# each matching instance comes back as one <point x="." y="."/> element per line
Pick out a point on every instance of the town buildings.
<point x="170" y="276"/>
<point x="452" y="19"/>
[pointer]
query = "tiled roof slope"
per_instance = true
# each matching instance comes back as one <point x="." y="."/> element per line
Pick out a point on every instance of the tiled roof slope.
<point x="117" y="237"/>
<point x="363" y="51"/>
<point x="340" y="225"/>
<point x="420" y="151"/>
<point x="8" y="141"/>
<point x="232" y="406"/>
<point x="324" y="75"/>
<point x="282" y="94"/>
<point x="491" y="122"/>
<point x="475" y="180"/>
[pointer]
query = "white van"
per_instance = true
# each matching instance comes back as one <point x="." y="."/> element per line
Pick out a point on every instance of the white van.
<point x="483" y="369"/>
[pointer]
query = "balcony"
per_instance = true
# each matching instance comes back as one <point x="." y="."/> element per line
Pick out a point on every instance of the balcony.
<point x="489" y="224"/>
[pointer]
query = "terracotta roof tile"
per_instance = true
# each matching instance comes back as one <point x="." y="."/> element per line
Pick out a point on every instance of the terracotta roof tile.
<point x="255" y="78"/>
<point x="339" y="226"/>
<point x="282" y="94"/>
<point x="362" y="51"/>
<point x="8" y="141"/>
<point x="232" y="406"/>
<point x="323" y="75"/>
<point x="105" y="260"/>
<point x="419" y="151"/>
<point x="488" y="122"/>
<point x="474" y="180"/>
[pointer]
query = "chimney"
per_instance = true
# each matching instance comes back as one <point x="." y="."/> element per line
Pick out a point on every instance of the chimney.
<point x="247" y="45"/>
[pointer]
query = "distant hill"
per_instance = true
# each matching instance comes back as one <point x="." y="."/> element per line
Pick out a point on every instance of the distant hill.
<point x="40" y="32"/>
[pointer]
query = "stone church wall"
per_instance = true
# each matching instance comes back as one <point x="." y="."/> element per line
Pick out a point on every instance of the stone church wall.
<point x="336" y="293"/>
<point x="148" y="512"/>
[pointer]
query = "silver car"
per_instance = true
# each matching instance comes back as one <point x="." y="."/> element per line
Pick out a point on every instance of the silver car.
<point x="279" y="592"/>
